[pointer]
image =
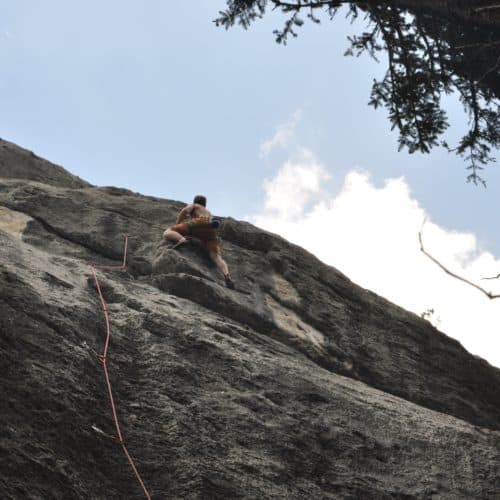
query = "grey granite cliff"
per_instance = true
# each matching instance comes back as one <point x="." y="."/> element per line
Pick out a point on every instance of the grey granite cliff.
<point x="300" y="384"/>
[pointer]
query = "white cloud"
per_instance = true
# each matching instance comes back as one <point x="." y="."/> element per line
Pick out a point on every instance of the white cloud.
<point x="371" y="235"/>
<point x="297" y="183"/>
<point x="282" y="136"/>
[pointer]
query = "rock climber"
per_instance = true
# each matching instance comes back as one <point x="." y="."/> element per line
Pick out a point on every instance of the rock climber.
<point x="200" y="225"/>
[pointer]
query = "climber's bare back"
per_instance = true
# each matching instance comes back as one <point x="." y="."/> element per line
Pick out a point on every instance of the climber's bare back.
<point x="199" y="211"/>
<point x="194" y="211"/>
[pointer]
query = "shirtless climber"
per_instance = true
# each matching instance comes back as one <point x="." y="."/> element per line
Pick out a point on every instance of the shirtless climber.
<point x="201" y="226"/>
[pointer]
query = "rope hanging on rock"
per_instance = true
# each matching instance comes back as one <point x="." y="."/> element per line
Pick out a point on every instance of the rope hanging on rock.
<point x="103" y="359"/>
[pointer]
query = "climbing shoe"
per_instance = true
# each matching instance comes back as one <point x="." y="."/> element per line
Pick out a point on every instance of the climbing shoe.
<point x="229" y="281"/>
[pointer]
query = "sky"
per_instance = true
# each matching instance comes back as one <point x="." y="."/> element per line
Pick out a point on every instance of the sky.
<point x="152" y="96"/>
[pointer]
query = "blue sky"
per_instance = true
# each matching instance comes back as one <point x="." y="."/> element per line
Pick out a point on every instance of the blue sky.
<point x="153" y="97"/>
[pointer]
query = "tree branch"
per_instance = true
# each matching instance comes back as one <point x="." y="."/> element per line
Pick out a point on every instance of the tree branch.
<point x="313" y="5"/>
<point x="497" y="65"/>
<point x="482" y="9"/>
<point x="447" y="271"/>
<point x="430" y="54"/>
<point x="480" y="44"/>
<point x="492" y="277"/>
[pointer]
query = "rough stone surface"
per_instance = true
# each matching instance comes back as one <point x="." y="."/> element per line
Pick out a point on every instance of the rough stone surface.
<point x="23" y="164"/>
<point x="299" y="384"/>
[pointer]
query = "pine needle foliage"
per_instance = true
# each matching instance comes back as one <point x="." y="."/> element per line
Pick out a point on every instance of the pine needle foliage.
<point x="430" y="52"/>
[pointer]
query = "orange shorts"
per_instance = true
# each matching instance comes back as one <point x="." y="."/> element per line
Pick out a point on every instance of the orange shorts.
<point x="200" y="229"/>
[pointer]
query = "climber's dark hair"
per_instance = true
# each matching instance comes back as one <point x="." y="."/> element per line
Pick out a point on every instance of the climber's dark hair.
<point x="200" y="200"/>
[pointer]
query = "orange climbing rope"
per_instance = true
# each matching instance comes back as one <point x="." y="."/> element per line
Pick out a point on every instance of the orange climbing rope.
<point x="103" y="359"/>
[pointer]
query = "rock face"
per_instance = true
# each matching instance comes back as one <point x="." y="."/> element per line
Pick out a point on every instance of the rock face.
<point x="299" y="384"/>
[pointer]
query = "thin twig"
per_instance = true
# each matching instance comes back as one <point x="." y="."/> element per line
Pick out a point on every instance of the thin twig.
<point x="492" y="277"/>
<point x="312" y="5"/>
<point x="482" y="9"/>
<point x="479" y="44"/>
<point x="497" y="65"/>
<point x="447" y="271"/>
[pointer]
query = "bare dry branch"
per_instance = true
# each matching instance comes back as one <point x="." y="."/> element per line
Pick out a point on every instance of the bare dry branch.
<point x="447" y="271"/>
<point x="492" y="277"/>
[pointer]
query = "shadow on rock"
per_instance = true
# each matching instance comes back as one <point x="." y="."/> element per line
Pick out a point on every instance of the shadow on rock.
<point x="189" y="259"/>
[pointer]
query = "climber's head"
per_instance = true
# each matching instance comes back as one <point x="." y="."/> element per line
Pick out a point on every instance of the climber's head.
<point x="200" y="200"/>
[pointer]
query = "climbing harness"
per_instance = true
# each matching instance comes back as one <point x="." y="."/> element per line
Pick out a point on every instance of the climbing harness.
<point x="202" y="223"/>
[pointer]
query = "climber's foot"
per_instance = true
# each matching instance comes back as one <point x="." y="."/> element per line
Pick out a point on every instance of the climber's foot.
<point x="179" y="244"/>
<point x="229" y="281"/>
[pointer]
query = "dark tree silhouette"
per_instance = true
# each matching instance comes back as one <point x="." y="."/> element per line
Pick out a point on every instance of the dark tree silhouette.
<point x="433" y="48"/>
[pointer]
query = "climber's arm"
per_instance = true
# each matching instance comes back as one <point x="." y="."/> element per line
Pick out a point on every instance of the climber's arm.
<point x="185" y="212"/>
